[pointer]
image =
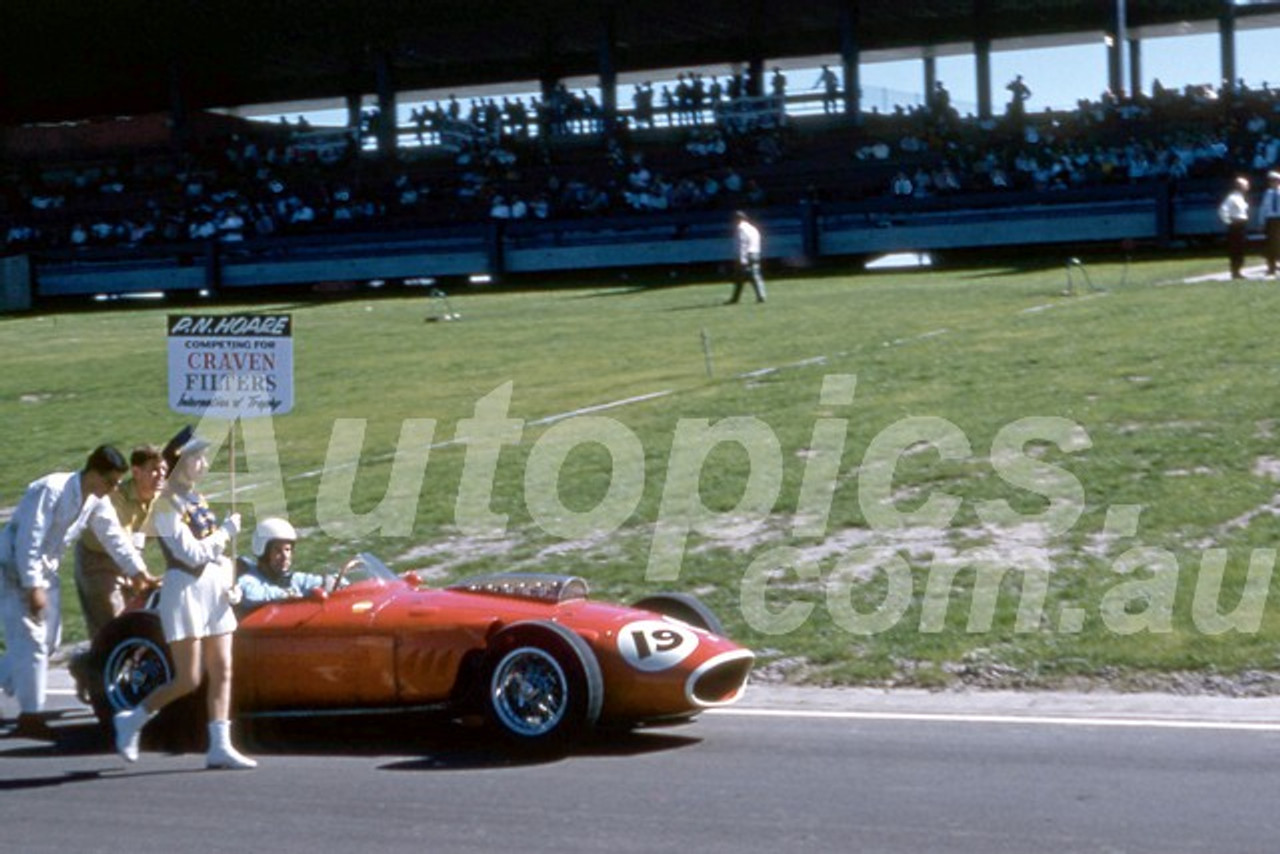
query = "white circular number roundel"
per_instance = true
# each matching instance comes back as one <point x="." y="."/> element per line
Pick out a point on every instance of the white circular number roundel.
<point x="653" y="645"/>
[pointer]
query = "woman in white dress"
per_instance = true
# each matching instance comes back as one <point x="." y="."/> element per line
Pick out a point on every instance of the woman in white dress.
<point x="195" y="604"/>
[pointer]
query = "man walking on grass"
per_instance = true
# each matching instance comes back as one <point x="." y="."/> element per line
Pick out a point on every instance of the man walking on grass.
<point x="748" y="262"/>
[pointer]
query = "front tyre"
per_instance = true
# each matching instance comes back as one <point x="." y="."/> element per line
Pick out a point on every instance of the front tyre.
<point x="542" y="685"/>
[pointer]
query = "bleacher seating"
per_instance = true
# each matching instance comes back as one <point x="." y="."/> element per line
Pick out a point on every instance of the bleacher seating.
<point x="240" y="181"/>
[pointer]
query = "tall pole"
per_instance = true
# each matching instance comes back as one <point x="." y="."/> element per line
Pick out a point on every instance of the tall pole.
<point x="1122" y="41"/>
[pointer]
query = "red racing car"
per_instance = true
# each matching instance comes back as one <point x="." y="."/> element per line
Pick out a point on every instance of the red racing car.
<point x="529" y="652"/>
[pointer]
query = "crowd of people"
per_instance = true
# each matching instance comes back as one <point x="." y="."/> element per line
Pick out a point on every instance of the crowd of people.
<point x="1199" y="133"/>
<point x="726" y="150"/>
<point x="111" y="519"/>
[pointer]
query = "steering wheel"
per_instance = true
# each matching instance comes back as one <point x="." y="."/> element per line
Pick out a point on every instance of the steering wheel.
<point x="342" y="573"/>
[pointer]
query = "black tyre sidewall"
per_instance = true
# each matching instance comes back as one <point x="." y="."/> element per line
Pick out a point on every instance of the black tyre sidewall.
<point x="584" y="681"/>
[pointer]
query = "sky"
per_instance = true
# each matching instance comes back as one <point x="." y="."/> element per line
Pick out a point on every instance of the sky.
<point x="1057" y="76"/>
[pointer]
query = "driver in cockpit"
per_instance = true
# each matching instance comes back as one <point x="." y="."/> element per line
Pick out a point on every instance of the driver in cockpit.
<point x="266" y="577"/>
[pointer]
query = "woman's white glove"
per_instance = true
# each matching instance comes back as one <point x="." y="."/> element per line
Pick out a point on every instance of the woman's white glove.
<point x="232" y="525"/>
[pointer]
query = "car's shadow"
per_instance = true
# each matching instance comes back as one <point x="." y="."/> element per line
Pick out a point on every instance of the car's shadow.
<point x="418" y="743"/>
<point x="75" y="733"/>
<point x="438" y="745"/>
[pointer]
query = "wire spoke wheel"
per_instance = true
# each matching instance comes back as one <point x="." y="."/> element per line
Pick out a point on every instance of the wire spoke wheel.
<point x="134" y="668"/>
<point x="542" y="685"/>
<point x="530" y="692"/>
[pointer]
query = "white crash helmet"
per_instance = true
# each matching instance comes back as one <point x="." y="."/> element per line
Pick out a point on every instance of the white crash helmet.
<point x="271" y="529"/>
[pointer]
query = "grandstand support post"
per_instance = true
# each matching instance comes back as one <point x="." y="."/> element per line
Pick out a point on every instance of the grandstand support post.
<point x="757" y="27"/>
<point x="755" y="75"/>
<point x="810" y="233"/>
<point x="1119" y="40"/>
<point x="1164" y="212"/>
<point x="1115" y="64"/>
<point x="982" y="59"/>
<point x="608" y="68"/>
<point x="930" y="77"/>
<point x="354" y="104"/>
<point x="385" y="128"/>
<point x="1227" y="37"/>
<point x="548" y="80"/>
<point x="212" y="267"/>
<point x="180" y="133"/>
<point x="497" y="250"/>
<point x="1135" y="67"/>
<point x="982" y="56"/>
<point x="850" y="57"/>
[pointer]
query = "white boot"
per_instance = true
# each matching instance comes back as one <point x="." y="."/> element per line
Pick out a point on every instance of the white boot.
<point x="128" y="726"/>
<point x="221" y="753"/>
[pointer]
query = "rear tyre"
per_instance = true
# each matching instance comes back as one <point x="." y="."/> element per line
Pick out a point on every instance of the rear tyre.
<point x="542" y="685"/>
<point x="683" y="607"/>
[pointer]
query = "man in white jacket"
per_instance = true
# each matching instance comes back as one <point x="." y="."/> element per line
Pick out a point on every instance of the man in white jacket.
<point x="1234" y="214"/>
<point x="52" y="513"/>
<point x="749" y="244"/>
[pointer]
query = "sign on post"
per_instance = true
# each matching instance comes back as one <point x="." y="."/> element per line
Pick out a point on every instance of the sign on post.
<point x="232" y="365"/>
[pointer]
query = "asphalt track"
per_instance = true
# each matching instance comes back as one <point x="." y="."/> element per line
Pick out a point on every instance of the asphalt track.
<point x="786" y="770"/>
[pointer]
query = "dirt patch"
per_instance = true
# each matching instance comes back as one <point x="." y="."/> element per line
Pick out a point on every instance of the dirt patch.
<point x="1266" y="467"/>
<point x="446" y="554"/>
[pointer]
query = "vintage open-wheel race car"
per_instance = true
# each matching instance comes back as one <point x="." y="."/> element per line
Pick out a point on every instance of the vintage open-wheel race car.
<point x="530" y="653"/>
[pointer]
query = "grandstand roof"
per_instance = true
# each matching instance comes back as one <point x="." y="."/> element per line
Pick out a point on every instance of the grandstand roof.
<point x="71" y="59"/>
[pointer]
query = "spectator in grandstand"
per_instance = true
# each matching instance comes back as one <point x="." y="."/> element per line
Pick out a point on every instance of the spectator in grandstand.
<point x="1019" y="93"/>
<point x="706" y="143"/>
<point x="829" y="83"/>
<point x="715" y="94"/>
<point x="940" y="102"/>
<point x="732" y="181"/>
<point x="1234" y="214"/>
<point x="1269" y="212"/>
<point x="778" y="85"/>
<point x="499" y="208"/>
<point x="901" y="186"/>
<point x="642" y="101"/>
<point x="639" y="177"/>
<point x="748" y="261"/>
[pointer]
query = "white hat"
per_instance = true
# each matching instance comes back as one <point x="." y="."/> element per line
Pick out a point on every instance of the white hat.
<point x="185" y="442"/>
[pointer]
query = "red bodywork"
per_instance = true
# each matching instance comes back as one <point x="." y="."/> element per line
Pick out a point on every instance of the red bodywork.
<point x="381" y="644"/>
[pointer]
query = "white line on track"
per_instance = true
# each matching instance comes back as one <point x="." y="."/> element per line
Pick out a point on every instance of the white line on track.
<point x="961" y="718"/>
<point x="601" y="407"/>
<point x="1008" y="720"/>
<point x="549" y="419"/>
